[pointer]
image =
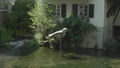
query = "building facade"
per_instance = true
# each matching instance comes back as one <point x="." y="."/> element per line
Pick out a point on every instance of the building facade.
<point x="96" y="10"/>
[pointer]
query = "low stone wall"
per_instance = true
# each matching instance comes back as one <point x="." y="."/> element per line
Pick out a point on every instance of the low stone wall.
<point x="90" y="40"/>
<point x="94" y="39"/>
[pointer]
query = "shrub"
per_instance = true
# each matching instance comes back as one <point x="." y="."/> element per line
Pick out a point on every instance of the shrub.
<point x="42" y="20"/>
<point x="5" y="36"/>
<point x="112" y="45"/>
<point x="77" y="26"/>
<point x="29" y="47"/>
<point x="18" y="19"/>
<point x="32" y="43"/>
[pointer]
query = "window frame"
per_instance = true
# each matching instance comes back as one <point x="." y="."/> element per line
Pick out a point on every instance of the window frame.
<point x="62" y="15"/>
<point x="91" y="10"/>
<point x="83" y="10"/>
<point x="75" y="6"/>
<point x="86" y="12"/>
<point x="57" y="10"/>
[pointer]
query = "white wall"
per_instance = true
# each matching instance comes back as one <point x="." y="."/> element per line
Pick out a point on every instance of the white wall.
<point x="99" y="20"/>
<point x="69" y="4"/>
<point x="108" y="28"/>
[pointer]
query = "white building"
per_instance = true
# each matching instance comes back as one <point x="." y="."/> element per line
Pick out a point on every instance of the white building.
<point x="97" y="11"/>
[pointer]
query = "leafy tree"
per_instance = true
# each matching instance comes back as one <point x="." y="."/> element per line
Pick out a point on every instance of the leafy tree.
<point x="42" y="19"/>
<point x="18" y="20"/>
<point x="5" y="36"/>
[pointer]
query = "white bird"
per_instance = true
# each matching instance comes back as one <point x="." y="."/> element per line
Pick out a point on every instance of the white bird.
<point x="59" y="33"/>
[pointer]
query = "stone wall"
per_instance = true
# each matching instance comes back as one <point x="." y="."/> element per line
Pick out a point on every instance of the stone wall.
<point x="90" y="40"/>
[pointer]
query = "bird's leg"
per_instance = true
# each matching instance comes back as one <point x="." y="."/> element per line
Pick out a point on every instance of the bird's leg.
<point x="60" y="47"/>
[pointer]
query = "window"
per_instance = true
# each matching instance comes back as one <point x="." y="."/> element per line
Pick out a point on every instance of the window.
<point x="84" y="10"/>
<point x="3" y="4"/>
<point x="75" y="9"/>
<point x="63" y="10"/>
<point x="60" y="10"/>
<point x="56" y="10"/>
<point x="87" y="10"/>
<point x="91" y="10"/>
<point x="81" y="10"/>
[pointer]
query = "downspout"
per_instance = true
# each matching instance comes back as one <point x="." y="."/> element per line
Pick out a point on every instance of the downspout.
<point x="105" y="21"/>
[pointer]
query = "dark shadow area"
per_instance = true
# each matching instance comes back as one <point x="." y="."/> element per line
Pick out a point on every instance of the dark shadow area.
<point x="71" y="56"/>
<point x="116" y="31"/>
<point x="26" y="36"/>
<point x="22" y="51"/>
<point x="95" y="53"/>
<point x="4" y="50"/>
<point x="98" y="53"/>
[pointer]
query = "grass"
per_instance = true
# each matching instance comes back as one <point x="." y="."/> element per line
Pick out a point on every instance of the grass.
<point x="46" y="58"/>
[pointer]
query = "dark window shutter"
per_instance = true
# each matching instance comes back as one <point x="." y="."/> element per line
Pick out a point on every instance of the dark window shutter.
<point x="63" y="10"/>
<point x="91" y="10"/>
<point x="75" y="9"/>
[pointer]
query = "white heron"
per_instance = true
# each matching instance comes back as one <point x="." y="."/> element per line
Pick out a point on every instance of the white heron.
<point x="59" y="34"/>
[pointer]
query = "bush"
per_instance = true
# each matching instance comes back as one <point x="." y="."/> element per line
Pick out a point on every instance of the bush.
<point x="112" y="45"/>
<point x="29" y="47"/>
<point x="32" y="43"/>
<point x="42" y="20"/>
<point x="19" y="19"/>
<point x="5" y="36"/>
<point x="78" y="26"/>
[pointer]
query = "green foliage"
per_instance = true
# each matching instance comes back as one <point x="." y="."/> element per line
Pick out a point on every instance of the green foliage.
<point x="112" y="45"/>
<point x="53" y="43"/>
<point x="77" y="26"/>
<point x="46" y="58"/>
<point x="42" y="19"/>
<point x="71" y="56"/>
<point x="18" y="19"/>
<point x="5" y="36"/>
<point x="32" y="43"/>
